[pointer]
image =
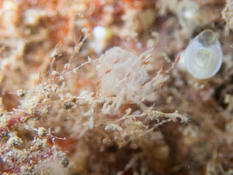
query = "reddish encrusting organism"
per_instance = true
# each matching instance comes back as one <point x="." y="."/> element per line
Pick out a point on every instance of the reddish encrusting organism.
<point x="13" y="122"/>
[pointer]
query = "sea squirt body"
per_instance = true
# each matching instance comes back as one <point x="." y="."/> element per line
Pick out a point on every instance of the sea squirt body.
<point x="203" y="56"/>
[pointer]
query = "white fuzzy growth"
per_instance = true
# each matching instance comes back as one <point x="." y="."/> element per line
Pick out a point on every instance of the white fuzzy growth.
<point x="203" y="60"/>
<point x="120" y="70"/>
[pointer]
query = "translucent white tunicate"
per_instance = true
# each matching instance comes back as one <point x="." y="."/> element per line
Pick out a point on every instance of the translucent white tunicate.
<point x="203" y="56"/>
<point x="101" y="36"/>
<point x="100" y="32"/>
<point x="187" y="14"/>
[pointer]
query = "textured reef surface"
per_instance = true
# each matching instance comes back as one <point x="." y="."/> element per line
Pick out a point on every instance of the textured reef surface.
<point x="116" y="87"/>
